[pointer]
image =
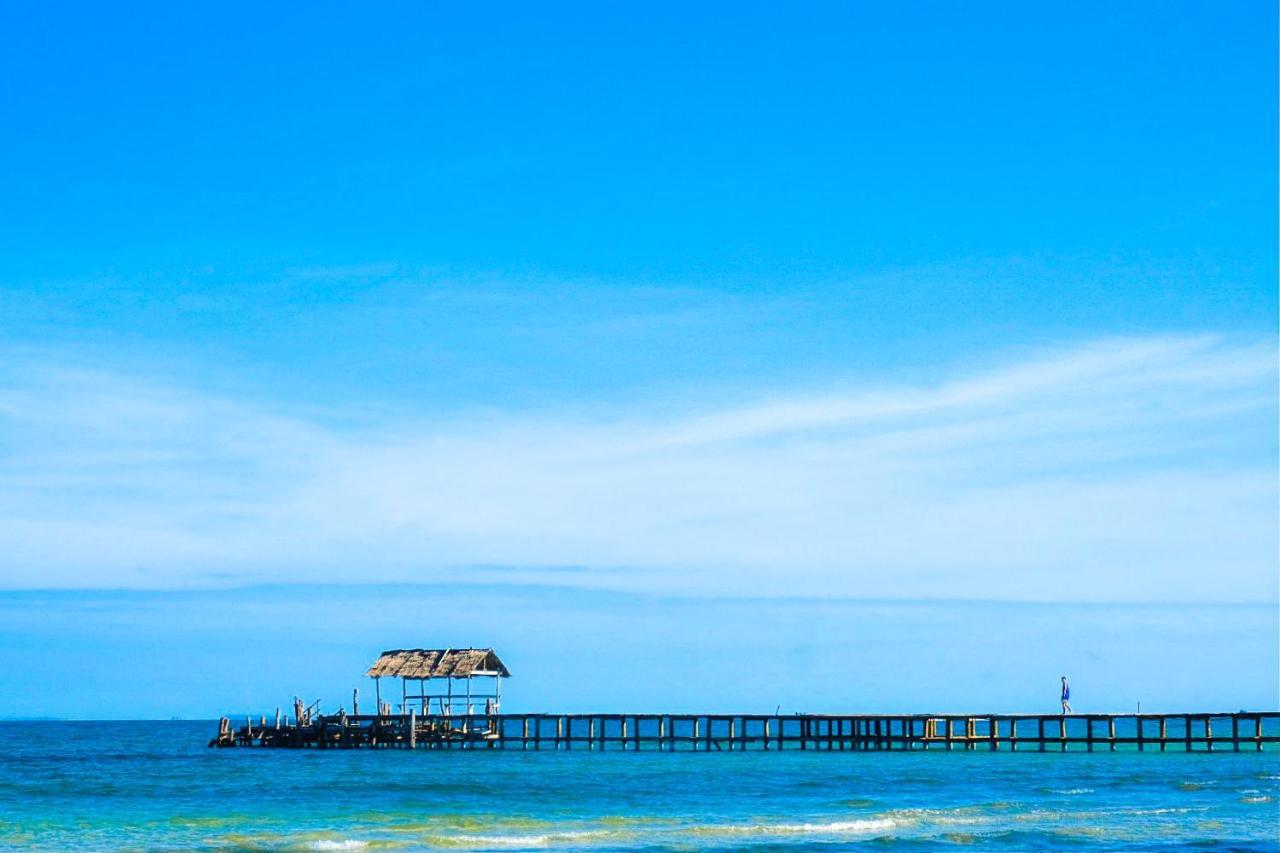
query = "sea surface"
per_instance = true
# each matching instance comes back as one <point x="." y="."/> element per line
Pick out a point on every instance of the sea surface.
<point x="155" y="786"/>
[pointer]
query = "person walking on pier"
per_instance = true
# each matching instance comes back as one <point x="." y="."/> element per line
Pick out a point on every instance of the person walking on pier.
<point x="1066" y="696"/>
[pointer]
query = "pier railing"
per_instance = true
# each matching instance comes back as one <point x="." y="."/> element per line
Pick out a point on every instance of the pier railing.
<point x="1185" y="732"/>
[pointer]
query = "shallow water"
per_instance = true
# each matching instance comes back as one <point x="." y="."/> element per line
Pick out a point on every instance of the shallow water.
<point x="154" y="786"/>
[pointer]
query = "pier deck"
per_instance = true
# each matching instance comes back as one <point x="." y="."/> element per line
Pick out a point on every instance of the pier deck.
<point x="1184" y="732"/>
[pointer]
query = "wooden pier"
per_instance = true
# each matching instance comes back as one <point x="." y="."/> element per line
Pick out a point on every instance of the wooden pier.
<point x="1184" y="732"/>
<point x="441" y="689"/>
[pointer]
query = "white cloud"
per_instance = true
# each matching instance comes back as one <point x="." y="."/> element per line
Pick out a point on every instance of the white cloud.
<point x="1123" y="469"/>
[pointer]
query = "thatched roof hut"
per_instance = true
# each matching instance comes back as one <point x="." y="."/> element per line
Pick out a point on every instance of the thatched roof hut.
<point x="419" y="666"/>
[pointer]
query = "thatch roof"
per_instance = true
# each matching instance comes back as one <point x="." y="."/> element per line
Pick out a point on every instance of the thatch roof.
<point x="438" y="663"/>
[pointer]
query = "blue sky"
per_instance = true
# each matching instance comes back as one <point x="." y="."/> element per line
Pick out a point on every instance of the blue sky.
<point x="901" y="302"/>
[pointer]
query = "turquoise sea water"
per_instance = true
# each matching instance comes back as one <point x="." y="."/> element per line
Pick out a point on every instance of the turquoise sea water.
<point x="155" y="786"/>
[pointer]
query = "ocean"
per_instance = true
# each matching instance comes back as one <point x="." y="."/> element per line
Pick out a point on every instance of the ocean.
<point x="155" y="786"/>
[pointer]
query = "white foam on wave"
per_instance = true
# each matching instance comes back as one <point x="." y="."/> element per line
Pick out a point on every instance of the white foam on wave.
<point x="958" y="816"/>
<point x="1072" y="791"/>
<point x="541" y="840"/>
<point x="344" y="844"/>
<point x="868" y="825"/>
<point x="836" y="827"/>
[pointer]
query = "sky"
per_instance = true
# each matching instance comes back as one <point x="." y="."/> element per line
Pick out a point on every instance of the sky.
<point x="956" y="326"/>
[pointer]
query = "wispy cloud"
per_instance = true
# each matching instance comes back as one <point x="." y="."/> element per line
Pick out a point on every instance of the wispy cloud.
<point x="1126" y="469"/>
